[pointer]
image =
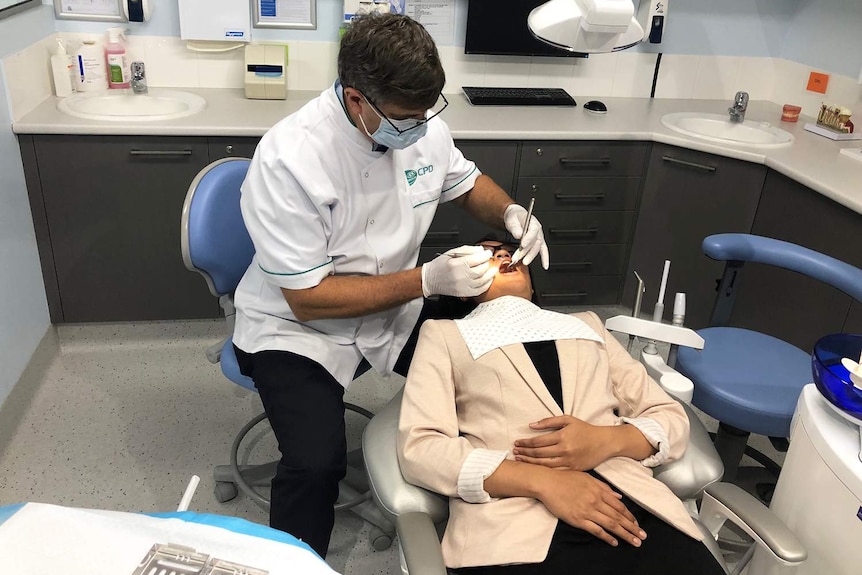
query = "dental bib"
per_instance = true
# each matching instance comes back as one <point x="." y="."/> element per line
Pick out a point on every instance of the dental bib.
<point x="511" y="319"/>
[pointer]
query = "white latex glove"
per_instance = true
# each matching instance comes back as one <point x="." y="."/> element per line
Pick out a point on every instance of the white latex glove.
<point x="515" y="217"/>
<point x="460" y="272"/>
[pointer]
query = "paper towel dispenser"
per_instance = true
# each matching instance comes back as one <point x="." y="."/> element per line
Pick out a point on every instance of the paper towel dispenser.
<point x="215" y="20"/>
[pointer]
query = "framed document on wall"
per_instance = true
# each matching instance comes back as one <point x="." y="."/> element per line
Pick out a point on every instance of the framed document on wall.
<point x="102" y="10"/>
<point x="297" y="14"/>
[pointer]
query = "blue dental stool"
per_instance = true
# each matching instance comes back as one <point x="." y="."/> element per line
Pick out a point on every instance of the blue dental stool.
<point x="750" y="381"/>
<point x="216" y="244"/>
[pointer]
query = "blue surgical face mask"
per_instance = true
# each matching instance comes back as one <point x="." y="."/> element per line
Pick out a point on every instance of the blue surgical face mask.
<point x="387" y="135"/>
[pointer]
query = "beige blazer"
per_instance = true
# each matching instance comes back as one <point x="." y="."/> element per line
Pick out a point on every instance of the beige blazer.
<point x="453" y="404"/>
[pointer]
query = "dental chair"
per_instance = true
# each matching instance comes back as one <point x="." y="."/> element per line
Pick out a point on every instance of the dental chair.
<point x="417" y="512"/>
<point x="749" y="381"/>
<point x="215" y="244"/>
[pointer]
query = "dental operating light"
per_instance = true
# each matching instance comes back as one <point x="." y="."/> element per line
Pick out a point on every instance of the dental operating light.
<point x="586" y="26"/>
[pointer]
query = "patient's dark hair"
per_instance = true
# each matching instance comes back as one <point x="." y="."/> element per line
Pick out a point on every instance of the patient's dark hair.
<point x="456" y="308"/>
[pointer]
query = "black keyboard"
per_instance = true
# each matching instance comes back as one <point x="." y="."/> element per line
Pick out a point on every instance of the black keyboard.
<point x="518" y="96"/>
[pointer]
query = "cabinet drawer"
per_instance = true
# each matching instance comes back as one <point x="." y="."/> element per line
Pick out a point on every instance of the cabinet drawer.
<point x="583" y="159"/>
<point x="598" y="259"/>
<point x="555" y="290"/>
<point x="234" y="147"/>
<point x="578" y="194"/>
<point x="453" y="227"/>
<point x="586" y="227"/>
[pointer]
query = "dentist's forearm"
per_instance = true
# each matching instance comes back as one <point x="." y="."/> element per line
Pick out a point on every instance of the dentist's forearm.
<point x="354" y="296"/>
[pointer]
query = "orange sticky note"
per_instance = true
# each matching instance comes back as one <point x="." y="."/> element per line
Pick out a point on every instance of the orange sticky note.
<point x="817" y="82"/>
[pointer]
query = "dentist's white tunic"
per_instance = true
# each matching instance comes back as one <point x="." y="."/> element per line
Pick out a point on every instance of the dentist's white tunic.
<point x="318" y="201"/>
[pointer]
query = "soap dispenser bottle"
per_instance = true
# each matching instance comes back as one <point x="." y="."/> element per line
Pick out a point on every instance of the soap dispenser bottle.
<point x="90" y="61"/>
<point x="115" y="58"/>
<point x="63" y="71"/>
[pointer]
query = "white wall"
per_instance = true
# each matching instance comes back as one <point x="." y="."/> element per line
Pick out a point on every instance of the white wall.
<point x="23" y="306"/>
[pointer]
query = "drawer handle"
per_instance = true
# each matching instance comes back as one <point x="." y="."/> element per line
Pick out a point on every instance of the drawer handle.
<point x="160" y="152"/>
<point x="564" y="294"/>
<point x="569" y="266"/>
<point x="585" y="163"/>
<point x="597" y="198"/>
<point x="442" y="235"/>
<point x="703" y="167"/>
<point x="581" y="232"/>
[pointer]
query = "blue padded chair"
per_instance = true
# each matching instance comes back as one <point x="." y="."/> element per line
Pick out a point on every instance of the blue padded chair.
<point x="750" y="381"/>
<point x="216" y="244"/>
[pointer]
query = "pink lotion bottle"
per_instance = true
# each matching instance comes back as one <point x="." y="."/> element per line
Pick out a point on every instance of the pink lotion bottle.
<point x="115" y="57"/>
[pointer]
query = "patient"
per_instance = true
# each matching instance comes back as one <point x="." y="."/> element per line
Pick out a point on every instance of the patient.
<point x="541" y="429"/>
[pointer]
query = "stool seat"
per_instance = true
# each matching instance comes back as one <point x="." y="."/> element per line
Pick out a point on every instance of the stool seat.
<point x="230" y="367"/>
<point x="747" y="379"/>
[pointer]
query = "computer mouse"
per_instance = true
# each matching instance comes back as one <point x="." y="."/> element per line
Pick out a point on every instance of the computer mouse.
<point x="596" y="106"/>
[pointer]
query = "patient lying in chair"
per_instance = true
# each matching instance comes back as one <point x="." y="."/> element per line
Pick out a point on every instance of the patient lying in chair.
<point x="542" y="429"/>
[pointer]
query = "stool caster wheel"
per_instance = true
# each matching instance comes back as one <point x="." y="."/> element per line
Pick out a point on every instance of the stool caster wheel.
<point x="379" y="540"/>
<point x="225" y="491"/>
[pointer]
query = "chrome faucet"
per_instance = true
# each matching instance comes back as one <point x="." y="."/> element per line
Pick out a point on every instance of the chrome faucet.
<point x="139" y="78"/>
<point x="740" y="105"/>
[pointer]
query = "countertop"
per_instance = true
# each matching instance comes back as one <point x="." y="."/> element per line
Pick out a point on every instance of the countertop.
<point x="812" y="160"/>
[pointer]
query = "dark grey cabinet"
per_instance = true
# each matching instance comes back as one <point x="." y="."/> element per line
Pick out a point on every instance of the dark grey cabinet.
<point x="587" y="195"/>
<point x="786" y="304"/>
<point x="453" y="226"/>
<point x="854" y="319"/>
<point x="232" y="147"/>
<point x="687" y="196"/>
<point x="110" y="207"/>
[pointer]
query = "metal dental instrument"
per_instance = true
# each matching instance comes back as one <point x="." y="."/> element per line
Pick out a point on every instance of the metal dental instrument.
<point x="518" y="256"/>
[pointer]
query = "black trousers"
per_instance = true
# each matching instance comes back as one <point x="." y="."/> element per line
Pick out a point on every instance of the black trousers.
<point x="665" y="551"/>
<point x="305" y="407"/>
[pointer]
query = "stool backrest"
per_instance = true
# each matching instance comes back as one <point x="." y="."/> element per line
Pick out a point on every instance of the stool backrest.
<point x="760" y="249"/>
<point x="215" y="242"/>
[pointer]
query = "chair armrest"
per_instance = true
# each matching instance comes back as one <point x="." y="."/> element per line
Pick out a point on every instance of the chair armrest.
<point x="392" y="493"/>
<point x="419" y="544"/>
<point x="725" y="501"/>
<point x="699" y="466"/>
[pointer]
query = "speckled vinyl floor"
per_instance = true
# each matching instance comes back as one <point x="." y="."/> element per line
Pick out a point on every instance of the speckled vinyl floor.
<point x="125" y="414"/>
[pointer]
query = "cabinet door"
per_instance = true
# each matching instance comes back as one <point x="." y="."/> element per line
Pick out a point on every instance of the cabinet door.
<point x="687" y="196"/>
<point x="854" y="319"/>
<point x="785" y="304"/>
<point x="113" y="206"/>
<point x="232" y="147"/>
<point x="453" y="226"/>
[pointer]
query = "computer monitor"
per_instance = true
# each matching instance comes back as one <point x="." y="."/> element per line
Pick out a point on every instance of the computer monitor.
<point x="499" y="27"/>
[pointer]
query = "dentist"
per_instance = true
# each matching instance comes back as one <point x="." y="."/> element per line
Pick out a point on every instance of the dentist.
<point x="337" y="200"/>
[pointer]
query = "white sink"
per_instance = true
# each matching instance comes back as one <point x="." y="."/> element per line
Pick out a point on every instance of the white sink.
<point x="124" y="106"/>
<point x="719" y="128"/>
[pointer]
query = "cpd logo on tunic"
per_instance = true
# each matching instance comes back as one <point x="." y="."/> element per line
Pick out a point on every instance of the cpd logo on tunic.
<point x="413" y="175"/>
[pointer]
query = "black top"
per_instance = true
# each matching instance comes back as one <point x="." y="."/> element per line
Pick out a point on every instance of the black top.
<point x="544" y="356"/>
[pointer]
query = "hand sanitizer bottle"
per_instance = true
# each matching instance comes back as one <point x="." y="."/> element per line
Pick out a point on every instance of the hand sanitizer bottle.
<point x="115" y="57"/>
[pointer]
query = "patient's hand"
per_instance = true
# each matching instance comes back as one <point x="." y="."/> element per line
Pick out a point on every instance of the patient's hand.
<point x="575" y="444"/>
<point x="584" y="502"/>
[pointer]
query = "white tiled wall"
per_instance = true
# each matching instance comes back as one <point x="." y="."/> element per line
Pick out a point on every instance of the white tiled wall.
<point x="312" y="66"/>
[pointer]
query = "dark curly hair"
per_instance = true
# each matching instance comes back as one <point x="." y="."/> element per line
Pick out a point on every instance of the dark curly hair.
<point x="391" y="59"/>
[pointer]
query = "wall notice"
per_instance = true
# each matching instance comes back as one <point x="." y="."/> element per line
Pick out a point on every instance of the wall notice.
<point x="438" y="17"/>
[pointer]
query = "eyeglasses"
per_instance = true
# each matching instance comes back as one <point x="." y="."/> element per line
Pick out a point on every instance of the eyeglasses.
<point x="495" y="246"/>
<point x="435" y="111"/>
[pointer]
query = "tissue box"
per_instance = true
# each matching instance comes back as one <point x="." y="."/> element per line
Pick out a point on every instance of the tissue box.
<point x="266" y="71"/>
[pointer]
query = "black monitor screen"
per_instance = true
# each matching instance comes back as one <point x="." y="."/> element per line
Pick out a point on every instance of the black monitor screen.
<point x="500" y="27"/>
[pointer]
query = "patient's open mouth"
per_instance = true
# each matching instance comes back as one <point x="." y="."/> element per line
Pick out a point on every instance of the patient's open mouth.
<point x="505" y="268"/>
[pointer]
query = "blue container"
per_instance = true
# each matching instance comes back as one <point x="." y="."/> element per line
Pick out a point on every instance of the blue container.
<point x="831" y="377"/>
